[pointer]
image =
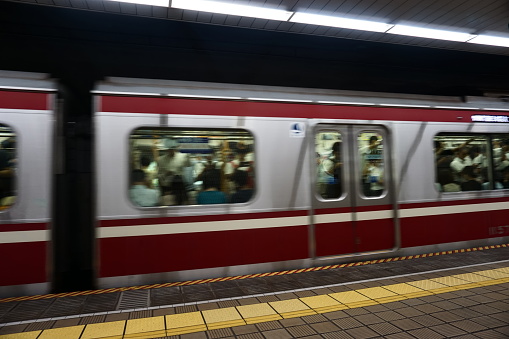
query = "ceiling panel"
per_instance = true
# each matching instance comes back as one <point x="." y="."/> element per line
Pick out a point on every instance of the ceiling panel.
<point x="478" y="17"/>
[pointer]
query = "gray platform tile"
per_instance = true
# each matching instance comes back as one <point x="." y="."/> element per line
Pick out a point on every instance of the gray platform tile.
<point x="481" y="298"/>
<point x="463" y="293"/>
<point x="384" y="328"/>
<point x="245" y="329"/>
<point x="197" y="335"/>
<point x="267" y="298"/>
<point x="409" y="312"/>
<point x="485" y="309"/>
<point x="390" y="315"/>
<point x="369" y="319"/>
<point x="141" y="314"/>
<point x="92" y="320"/>
<point x="466" y="313"/>
<point x="163" y="311"/>
<point x="501" y="316"/>
<point x="251" y="336"/>
<point x="248" y="301"/>
<point x="287" y="296"/>
<point x="315" y="318"/>
<point x="407" y="324"/>
<point x="337" y="335"/>
<point x="277" y="334"/>
<point x="376" y="308"/>
<point x="446" y="305"/>
<point x="303" y="294"/>
<point x="395" y="305"/>
<point x="347" y="323"/>
<point x="301" y="331"/>
<point x="336" y="315"/>
<point x="67" y="322"/>
<point x="400" y="335"/>
<point x="43" y="325"/>
<point x="220" y="333"/>
<point x="428" y="308"/>
<point x="504" y="330"/>
<point x="447" y="330"/>
<point x="117" y="316"/>
<point x="321" y="291"/>
<point x="413" y="302"/>
<point x="356" y="311"/>
<point x="324" y="327"/>
<point x="341" y="288"/>
<point x="431" y="298"/>
<point x="268" y="326"/>
<point x="362" y="333"/>
<point x="468" y="326"/>
<point x="491" y="322"/>
<point x="427" y="320"/>
<point x="447" y="316"/>
<point x="496" y="295"/>
<point x="292" y="322"/>
<point x="426" y="333"/>
<point x="207" y="306"/>
<point x="186" y="309"/>
<point x="490" y="334"/>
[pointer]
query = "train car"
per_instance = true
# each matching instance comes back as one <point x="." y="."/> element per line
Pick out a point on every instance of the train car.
<point x="27" y="108"/>
<point x="201" y="180"/>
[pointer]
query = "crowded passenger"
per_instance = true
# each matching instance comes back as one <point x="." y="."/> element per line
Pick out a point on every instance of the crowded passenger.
<point x="243" y="191"/>
<point x="446" y="181"/>
<point x="461" y="161"/>
<point x="211" y="193"/>
<point x="469" y="180"/>
<point x="332" y="167"/>
<point x="140" y="193"/>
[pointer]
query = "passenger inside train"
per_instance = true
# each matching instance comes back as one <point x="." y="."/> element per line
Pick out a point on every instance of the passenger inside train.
<point x="474" y="165"/>
<point x="195" y="167"/>
<point x="8" y="164"/>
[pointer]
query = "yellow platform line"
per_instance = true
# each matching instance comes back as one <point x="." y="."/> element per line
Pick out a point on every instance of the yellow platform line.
<point x="199" y="321"/>
<point x="249" y="276"/>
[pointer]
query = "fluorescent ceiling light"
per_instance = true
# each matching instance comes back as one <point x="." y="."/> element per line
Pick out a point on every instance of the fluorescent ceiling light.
<point x="340" y="22"/>
<point x="490" y="40"/>
<point x="160" y="3"/>
<point x="430" y="33"/>
<point x="232" y="9"/>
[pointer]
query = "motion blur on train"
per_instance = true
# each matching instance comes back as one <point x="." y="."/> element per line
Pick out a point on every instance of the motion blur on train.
<point x="203" y="180"/>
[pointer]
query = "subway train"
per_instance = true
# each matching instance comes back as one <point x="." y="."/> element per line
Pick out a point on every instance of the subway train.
<point x="202" y="180"/>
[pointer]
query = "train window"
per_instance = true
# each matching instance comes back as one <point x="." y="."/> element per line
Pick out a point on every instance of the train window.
<point x="8" y="166"/>
<point x="329" y="164"/>
<point x="371" y="156"/>
<point x="462" y="163"/>
<point x="500" y="155"/>
<point x="188" y="166"/>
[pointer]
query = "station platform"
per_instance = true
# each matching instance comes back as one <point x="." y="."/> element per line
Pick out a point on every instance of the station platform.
<point x="454" y="294"/>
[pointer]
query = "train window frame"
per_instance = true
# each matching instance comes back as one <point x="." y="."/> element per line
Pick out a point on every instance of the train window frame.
<point x="317" y="179"/>
<point x="487" y="157"/>
<point x="363" y="187"/>
<point x="10" y="200"/>
<point x="236" y="137"/>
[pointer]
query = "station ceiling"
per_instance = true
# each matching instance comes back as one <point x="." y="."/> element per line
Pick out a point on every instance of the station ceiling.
<point x="489" y="17"/>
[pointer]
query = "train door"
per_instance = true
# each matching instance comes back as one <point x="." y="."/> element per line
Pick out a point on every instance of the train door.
<point x="352" y="203"/>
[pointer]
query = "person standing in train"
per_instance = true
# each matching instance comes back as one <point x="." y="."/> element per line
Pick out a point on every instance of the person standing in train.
<point x="461" y="161"/>
<point x="171" y="168"/>
<point x="140" y="193"/>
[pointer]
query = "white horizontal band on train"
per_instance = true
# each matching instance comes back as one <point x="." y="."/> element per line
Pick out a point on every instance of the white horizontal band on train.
<point x="439" y="210"/>
<point x="24" y="236"/>
<point x="194" y="227"/>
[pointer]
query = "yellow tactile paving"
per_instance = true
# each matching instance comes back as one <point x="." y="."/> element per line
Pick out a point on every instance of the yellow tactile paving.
<point x="494" y="274"/>
<point x="449" y="281"/>
<point x="222" y="317"/>
<point x="185" y="323"/>
<point x="426" y="284"/>
<point x="23" y="335"/>
<point x="291" y="308"/>
<point x="471" y="277"/>
<point x="349" y="297"/>
<point x="323" y="303"/>
<point x="73" y="332"/>
<point x="145" y="328"/>
<point x="109" y="330"/>
<point x="503" y="269"/>
<point x="376" y="292"/>
<point x="257" y="313"/>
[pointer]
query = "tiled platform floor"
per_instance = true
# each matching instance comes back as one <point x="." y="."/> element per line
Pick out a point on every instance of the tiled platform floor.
<point x="468" y="305"/>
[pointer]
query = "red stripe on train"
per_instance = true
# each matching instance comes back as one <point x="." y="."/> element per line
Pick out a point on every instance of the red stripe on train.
<point x="158" y="105"/>
<point x="176" y="252"/>
<point x="201" y="218"/>
<point x="23" y="263"/>
<point x="23" y="227"/>
<point x="24" y="100"/>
